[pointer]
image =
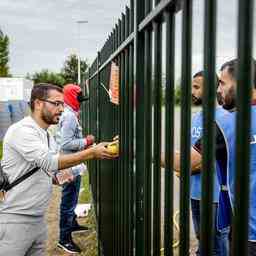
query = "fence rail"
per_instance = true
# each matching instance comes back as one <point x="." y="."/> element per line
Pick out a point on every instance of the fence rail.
<point x="134" y="217"/>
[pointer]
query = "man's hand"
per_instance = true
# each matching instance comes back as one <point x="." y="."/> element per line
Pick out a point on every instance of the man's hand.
<point x="64" y="176"/>
<point x="100" y="151"/>
<point x="89" y="140"/>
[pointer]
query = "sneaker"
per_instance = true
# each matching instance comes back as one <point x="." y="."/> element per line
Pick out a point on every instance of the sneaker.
<point x="79" y="229"/>
<point x="69" y="247"/>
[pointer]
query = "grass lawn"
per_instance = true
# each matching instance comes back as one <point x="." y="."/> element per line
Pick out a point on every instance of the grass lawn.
<point x="1" y="149"/>
<point x="85" y="195"/>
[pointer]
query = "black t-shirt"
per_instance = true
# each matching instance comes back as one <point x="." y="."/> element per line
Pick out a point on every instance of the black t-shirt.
<point x="221" y="150"/>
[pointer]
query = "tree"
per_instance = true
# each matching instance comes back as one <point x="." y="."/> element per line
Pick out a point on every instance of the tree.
<point x="4" y="55"/>
<point x="46" y="76"/>
<point x="178" y="95"/>
<point x="70" y="69"/>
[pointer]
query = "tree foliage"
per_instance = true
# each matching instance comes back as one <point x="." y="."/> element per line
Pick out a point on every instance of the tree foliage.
<point x="4" y="55"/>
<point x="46" y="76"/>
<point x="70" y="69"/>
<point x="178" y="95"/>
<point x="67" y="75"/>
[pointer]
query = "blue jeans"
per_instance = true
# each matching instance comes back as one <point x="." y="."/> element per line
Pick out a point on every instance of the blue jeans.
<point x="221" y="237"/>
<point x="69" y="199"/>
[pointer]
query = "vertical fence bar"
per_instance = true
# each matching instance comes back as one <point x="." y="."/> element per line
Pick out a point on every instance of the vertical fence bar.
<point x="116" y="166"/>
<point x="118" y="162"/>
<point x="122" y="132"/>
<point x="126" y="154"/>
<point x="119" y="211"/>
<point x="206" y="237"/>
<point x="169" y="131"/>
<point x="185" y="126"/>
<point x="122" y="135"/>
<point x="157" y="136"/>
<point x="148" y="135"/>
<point x="131" y="137"/>
<point x="131" y="153"/>
<point x="244" y="86"/>
<point x="140" y="145"/>
<point x="111" y="50"/>
<point x="127" y="249"/>
<point x="88" y="110"/>
<point x="114" y="47"/>
<point x="127" y="22"/>
<point x="97" y="162"/>
<point x="119" y="38"/>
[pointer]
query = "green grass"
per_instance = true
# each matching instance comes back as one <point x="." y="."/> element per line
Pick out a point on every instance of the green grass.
<point x="85" y="196"/>
<point x="89" y="243"/>
<point x="1" y="149"/>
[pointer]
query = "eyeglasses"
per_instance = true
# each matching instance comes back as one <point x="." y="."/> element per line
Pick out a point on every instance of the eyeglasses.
<point x="55" y="103"/>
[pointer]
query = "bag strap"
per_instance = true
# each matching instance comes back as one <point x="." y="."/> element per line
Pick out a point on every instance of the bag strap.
<point x="20" y="179"/>
<point x="26" y="175"/>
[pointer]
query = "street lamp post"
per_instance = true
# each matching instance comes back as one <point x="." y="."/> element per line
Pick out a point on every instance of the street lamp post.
<point x="79" y="22"/>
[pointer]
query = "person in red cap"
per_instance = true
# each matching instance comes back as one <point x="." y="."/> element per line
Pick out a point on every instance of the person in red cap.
<point x="71" y="140"/>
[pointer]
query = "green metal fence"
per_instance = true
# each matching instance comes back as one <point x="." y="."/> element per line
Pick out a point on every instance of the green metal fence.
<point x="127" y="192"/>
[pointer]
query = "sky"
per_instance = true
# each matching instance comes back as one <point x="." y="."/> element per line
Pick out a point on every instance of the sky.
<point x="43" y="33"/>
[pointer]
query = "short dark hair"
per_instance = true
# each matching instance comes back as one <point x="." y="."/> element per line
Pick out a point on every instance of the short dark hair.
<point x="201" y="73"/>
<point x="232" y="66"/>
<point x="41" y="91"/>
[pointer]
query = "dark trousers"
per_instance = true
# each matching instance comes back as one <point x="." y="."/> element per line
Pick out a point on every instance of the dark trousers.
<point x="221" y="237"/>
<point x="69" y="199"/>
<point x="251" y="248"/>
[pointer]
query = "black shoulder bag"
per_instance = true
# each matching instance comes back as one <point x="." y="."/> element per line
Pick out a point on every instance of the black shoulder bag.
<point x="5" y="185"/>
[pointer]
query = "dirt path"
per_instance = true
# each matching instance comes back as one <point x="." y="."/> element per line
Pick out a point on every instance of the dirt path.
<point x="87" y="242"/>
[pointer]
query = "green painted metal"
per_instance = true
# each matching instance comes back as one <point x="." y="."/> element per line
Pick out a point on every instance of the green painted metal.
<point x="157" y="89"/>
<point x="148" y="141"/>
<point x="244" y="86"/>
<point x="139" y="129"/>
<point x="209" y="99"/>
<point x="127" y="191"/>
<point x="169" y="127"/>
<point x="185" y="126"/>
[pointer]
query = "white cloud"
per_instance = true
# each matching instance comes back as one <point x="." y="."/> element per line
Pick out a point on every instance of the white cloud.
<point x="43" y="33"/>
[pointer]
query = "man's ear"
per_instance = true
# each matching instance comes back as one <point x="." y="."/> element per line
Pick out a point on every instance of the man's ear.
<point x="37" y="104"/>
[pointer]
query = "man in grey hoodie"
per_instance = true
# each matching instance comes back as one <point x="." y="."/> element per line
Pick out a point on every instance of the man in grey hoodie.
<point x="26" y="145"/>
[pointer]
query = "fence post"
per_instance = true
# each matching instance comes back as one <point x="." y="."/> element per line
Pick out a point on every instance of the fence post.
<point x="185" y="126"/>
<point x="244" y="87"/>
<point x="140" y="141"/>
<point x="209" y="99"/>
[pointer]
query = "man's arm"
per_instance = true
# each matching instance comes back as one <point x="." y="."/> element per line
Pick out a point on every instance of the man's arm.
<point x="97" y="152"/>
<point x="196" y="161"/>
<point x="34" y="151"/>
<point x="196" y="153"/>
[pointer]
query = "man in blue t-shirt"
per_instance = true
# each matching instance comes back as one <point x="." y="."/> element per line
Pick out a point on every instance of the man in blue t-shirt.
<point x="221" y="234"/>
<point x="227" y="90"/>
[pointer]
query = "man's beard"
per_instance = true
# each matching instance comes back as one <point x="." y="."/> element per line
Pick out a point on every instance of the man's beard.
<point x="197" y="101"/>
<point x="229" y="102"/>
<point x="229" y="105"/>
<point x="219" y="99"/>
<point x="48" y="118"/>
